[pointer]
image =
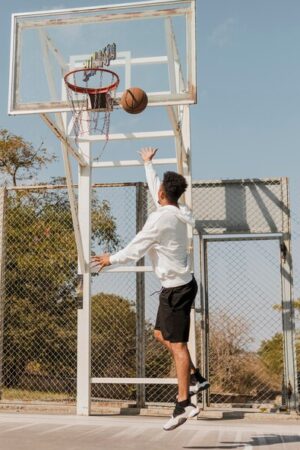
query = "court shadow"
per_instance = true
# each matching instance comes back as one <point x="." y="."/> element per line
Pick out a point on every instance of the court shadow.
<point x="226" y="415"/>
<point x="255" y="441"/>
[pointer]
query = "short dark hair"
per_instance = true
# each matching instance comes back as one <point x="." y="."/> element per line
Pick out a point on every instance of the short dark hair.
<point x="174" y="186"/>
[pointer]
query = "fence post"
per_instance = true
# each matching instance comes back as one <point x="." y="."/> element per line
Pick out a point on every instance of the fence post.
<point x="140" y="302"/>
<point x="3" y="196"/>
<point x="290" y="388"/>
<point x="204" y="316"/>
<point x="84" y="313"/>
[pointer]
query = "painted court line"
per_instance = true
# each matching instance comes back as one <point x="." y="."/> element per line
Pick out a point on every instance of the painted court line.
<point x="54" y="430"/>
<point x="20" y="427"/>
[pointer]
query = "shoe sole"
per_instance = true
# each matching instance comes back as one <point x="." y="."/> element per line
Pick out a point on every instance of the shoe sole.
<point x="180" y="422"/>
<point x="183" y="420"/>
<point x="194" y="413"/>
<point x="201" y="389"/>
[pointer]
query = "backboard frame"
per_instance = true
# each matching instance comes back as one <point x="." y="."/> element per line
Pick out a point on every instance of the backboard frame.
<point x="117" y="12"/>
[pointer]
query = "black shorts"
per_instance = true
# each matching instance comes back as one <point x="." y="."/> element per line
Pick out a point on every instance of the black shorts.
<point x="173" y="315"/>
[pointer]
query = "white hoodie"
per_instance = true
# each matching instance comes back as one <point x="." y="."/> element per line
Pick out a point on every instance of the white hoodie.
<point x="163" y="237"/>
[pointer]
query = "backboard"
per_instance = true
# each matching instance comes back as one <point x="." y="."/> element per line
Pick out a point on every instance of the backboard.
<point x="155" y="50"/>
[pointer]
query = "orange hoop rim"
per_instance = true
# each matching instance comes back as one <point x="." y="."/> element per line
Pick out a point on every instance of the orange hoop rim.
<point x="87" y="90"/>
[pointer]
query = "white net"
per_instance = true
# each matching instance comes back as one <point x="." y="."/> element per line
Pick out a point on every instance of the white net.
<point x="91" y="94"/>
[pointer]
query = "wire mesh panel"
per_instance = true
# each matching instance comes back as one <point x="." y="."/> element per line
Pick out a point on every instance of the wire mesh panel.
<point x="113" y="352"/>
<point x="245" y="324"/>
<point x="114" y="334"/>
<point x="235" y="206"/>
<point x="39" y="313"/>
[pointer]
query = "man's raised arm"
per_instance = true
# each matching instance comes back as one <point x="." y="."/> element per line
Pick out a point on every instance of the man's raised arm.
<point x="147" y="154"/>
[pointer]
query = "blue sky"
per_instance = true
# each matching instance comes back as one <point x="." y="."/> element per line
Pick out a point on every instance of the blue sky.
<point x="246" y="122"/>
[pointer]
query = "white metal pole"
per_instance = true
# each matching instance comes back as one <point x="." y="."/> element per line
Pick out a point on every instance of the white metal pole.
<point x="84" y="314"/>
<point x="186" y="168"/>
<point x="288" y="320"/>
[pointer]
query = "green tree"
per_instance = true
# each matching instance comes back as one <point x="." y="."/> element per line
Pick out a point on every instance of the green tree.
<point x="19" y="159"/>
<point x="271" y="350"/>
<point x="234" y="368"/>
<point x="113" y="336"/>
<point x="41" y="278"/>
<point x="114" y="344"/>
<point x="271" y="353"/>
<point x="295" y="305"/>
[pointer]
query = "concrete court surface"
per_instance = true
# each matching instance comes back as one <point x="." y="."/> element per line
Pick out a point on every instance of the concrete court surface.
<point x="53" y="432"/>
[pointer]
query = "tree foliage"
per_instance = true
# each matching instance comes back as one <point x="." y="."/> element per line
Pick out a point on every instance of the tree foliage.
<point x="19" y="159"/>
<point x="295" y="306"/>
<point x="40" y="282"/>
<point x="271" y="353"/>
<point x="234" y="368"/>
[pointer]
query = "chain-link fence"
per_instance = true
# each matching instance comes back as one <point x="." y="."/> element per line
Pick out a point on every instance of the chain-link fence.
<point x="248" y="351"/>
<point x="245" y="330"/>
<point x="38" y="315"/>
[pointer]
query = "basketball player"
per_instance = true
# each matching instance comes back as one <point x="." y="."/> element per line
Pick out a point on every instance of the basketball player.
<point x="164" y="238"/>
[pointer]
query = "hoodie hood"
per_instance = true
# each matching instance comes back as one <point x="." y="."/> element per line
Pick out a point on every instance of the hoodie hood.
<point x="183" y="213"/>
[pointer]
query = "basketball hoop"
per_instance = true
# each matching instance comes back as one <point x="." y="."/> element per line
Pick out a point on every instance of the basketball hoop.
<point x="90" y="92"/>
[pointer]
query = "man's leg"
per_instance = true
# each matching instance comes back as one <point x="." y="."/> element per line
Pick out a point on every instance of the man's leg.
<point x="183" y="368"/>
<point x="197" y="382"/>
<point x="159" y="337"/>
<point x="184" y="409"/>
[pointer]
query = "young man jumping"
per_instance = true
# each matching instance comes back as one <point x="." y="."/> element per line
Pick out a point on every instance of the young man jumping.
<point x="164" y="238"/>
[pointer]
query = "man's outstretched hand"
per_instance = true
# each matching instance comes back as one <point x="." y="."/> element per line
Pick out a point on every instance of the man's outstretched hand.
<point x="100" y="261"/>
<point x="148" y="153"/>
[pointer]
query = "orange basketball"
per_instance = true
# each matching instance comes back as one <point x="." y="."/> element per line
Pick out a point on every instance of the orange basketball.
<point x="134" y="100"/>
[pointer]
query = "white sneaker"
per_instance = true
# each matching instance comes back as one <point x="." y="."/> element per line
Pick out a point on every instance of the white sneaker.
<point x="180" y="416"/>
